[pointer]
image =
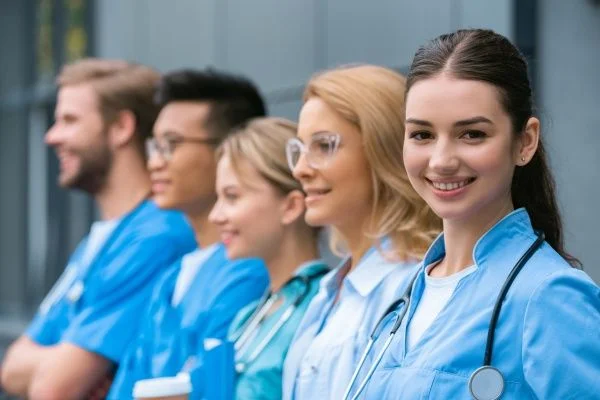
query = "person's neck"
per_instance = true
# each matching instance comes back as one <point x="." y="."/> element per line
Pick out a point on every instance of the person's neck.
<point x="357" y="242"/>
<point x="206" y="232"/>
<point x="126" y="186"/>
<point x="460" y="237"/>
<point x="296" y="248"/>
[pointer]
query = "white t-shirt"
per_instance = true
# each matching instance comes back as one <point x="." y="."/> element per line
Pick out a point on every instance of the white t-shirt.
<point x="435" y="297"/>
<point x="99" y="234"/>
<point x="190" y="265"/>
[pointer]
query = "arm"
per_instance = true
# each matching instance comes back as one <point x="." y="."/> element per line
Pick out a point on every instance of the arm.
<point x="28" y="370"/>
<point x="561" y="339"/>
<point x="105" y="324"/>
<point x="68" y="372"/>
<point x="19" y="365"/>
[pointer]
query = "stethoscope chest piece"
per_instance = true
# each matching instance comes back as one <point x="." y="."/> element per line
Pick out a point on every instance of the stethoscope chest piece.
<point x="486" y="383"/>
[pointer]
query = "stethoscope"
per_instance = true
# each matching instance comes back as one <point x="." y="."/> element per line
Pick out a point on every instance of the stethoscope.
<point x="252" y="325"/>
<point x="486" y="382"/>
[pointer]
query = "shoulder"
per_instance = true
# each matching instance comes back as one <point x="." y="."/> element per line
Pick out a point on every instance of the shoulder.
<point x="240" y="267"/>
<point x="221" y="271"/>
<point x="151" y="221"/>
<point x="546" y="270"/>
<point x="549" y="287"/>
<point x="562" y="286"/>
<point x="401" y="276"/>
<point x="560" y="331"/>
<point x="151" y="235"/>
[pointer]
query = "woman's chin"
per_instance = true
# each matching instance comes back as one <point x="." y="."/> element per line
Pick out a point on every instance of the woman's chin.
<point x="315" y="218"/>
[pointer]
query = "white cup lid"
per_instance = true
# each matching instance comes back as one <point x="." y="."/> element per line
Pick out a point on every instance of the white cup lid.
<point x="162" y="387"/>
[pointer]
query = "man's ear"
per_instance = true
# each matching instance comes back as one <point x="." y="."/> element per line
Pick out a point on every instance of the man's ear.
<point x="293" y="207"/>
<point x="122" y="129"/>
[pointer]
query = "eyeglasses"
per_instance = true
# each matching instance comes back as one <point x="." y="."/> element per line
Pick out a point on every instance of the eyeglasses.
<point x="165" y="146"/>
<point x="321" y="148"/>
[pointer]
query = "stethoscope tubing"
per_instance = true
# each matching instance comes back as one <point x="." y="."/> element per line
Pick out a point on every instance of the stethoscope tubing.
<point x="252" y="327"/>
<point x="487" y="359"/>
<point x="249" y="328"/>
<point x="272" y="332"/>
<point x="405" y="300"/>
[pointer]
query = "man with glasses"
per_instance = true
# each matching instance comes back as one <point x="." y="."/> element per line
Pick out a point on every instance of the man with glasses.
<point x="104" y="112"/>
<point x="201" y="294"/>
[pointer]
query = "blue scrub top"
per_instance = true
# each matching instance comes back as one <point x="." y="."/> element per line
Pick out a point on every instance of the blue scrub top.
<point x="171" y="334"/>
<point x="547" y="339"/>
<point x="101" y="311"/>
<point x="332" y="335"/>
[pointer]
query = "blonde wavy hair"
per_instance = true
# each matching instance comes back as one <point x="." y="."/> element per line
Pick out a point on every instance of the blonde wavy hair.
<point x="261" y="142"/>
<point x="372" y="99"/>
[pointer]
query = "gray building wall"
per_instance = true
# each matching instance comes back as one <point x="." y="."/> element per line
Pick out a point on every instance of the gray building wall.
<point x="13" y="151"/>
<point x="280" y="44"/>
<point x="569" y="90"/>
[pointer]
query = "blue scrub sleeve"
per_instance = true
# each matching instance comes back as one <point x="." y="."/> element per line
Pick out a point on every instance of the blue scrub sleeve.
<point x="245" y="287"/>
<point x="248" y="281"/>
<point x="110" y="317"/>
<point x="561" y="338"/>
<point x="45" y="329"/>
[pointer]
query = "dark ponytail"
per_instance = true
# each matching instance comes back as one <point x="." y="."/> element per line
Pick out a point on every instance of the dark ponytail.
<point x="482" y="55"/>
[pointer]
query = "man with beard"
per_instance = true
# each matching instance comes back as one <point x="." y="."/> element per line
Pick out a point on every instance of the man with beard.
<point x="103" y="114"/>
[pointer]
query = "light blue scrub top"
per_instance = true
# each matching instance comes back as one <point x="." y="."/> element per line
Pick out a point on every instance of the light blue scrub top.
<point x="262" y="377"/>
<point x="101" y="307"/>
<point x="330" y="340"/>
<point x="547" y="339"/>
<point x="171" y="334"/>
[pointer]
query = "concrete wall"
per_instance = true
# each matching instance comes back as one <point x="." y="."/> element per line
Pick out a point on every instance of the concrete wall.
<point x="13" y="160"/>
<point x="569" y="89"/>
<point x="280" y="44"/>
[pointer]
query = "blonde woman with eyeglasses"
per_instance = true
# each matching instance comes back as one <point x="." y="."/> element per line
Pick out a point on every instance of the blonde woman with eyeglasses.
<point x="348" y="157"/>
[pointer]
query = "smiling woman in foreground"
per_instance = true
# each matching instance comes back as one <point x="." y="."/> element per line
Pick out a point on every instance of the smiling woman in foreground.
<point x="496" y="310"/>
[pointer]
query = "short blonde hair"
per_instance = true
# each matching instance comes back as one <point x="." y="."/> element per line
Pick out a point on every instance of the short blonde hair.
<point x="120" y="85"/>
<point x="261" y="142"/>
<point x="372" y="99"/>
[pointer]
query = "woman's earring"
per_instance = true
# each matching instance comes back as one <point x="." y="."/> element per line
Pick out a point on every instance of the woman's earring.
<point x="523" y="159"/>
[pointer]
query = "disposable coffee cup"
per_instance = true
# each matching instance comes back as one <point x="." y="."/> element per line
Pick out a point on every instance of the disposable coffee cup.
<point x="172" y="388"/>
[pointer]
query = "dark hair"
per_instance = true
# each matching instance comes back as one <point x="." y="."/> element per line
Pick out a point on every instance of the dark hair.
<point x="483" y="55"/>
<point x="234" y="99"/>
